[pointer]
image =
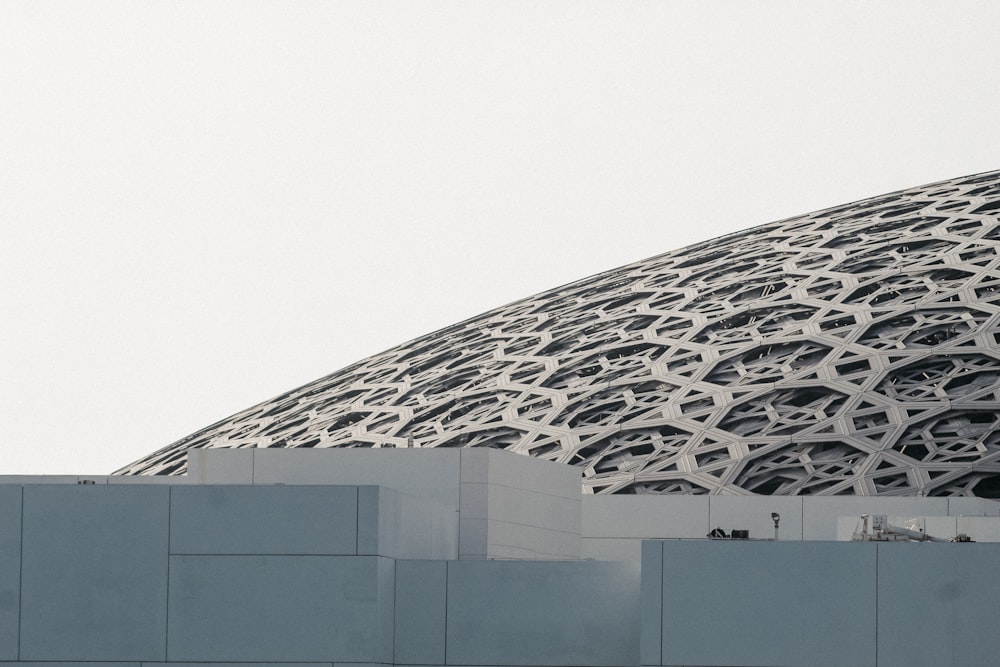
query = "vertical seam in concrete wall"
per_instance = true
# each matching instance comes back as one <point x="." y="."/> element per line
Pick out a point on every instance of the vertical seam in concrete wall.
<point x="166" y="614"/>
<point x="253" y="465"/>
<point x="20" y="579"/>
<point x="357" y="520"/>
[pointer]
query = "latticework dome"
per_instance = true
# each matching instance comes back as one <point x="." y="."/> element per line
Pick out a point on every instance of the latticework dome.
<point x="855" y="350"/>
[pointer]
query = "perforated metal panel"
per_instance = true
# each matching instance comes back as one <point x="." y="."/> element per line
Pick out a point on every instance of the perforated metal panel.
<point x="850" y="351"/>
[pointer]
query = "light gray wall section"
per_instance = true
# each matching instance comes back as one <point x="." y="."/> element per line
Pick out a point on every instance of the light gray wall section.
<point x="44" y="479"/>
<point x="400" y="525"/>
<point x="527" y="524"/>
<point x="510" y="506"/>
<point x="527" y="473"/>
<point x="729" y="512"/>
<point x="542" y="613"/>
<point x="10" y="570"/>
<point x="420" y="612"/>
<point x="264" y="520"/>
<point x="742" y="603"/>
<point x="645" y="517"/>
<point x="473" y="536"/>
<point x="419" y="472"/>
<point x="938" y="604"/>
<point x="651" y="604"/>
<point x="611" y="548"/>
<point x="94" y="572"/>
<point x="973" y="507"/>
<point x="515" y="507"/>
<point x="220" y="466"/>
<point x="282" y="608"/>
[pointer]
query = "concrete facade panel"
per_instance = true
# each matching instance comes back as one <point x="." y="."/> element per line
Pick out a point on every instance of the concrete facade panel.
<point x="94" y="573"/>
<point x="10" y="571"/>
<point x="472" y="538"/>
<point x="973" y="507"/>
<point x="538" y="613"/>
<point x="533" y="508"/>
<point x="646" y="517"/>
<point x="519" y="472"/>
<point x="651" y="604"/>
<point x="299" y="520"/>
<point x="512" y="540"/>
<point x="221" y="466"/>
<point x="475" y="500"/>
<point x="399" y="525"/>
<point x="611" y="549"/>
<point x="474" y="466"/>
<point x="277" y="608"/>
<point x="741" y="603"/>
<point x="407" y="470"/>
<point x="418" y="527"/>
<point x="420" y="612"/>
<point x="935" y="608"/>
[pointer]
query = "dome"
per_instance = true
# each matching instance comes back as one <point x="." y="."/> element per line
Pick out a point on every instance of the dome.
<point x="855" y="350"/>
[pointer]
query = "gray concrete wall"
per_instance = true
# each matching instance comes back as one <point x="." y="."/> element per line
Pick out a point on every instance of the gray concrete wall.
<point x="937" y="604"/>
<point x="406" y="526"/>
<point x="149" y="574"/>
<point x="508" y="505"/>
<point x="542" y="613"/>
<point x="764" y="603"/>
<point x="249" y="608"/>
<point x="515" y="507"/>
<point x="139" y="573"/>
<point x="823" y="604"/>
<point x="156" y="575"/>
<point x="93" y="572"/>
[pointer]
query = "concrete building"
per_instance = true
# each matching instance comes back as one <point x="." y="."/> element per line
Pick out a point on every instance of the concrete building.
<point x="784" y="390"/>
<point x="472" y="557"/>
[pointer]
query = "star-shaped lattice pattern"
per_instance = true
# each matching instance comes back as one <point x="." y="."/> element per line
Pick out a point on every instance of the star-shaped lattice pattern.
<point x="854" y="350"/>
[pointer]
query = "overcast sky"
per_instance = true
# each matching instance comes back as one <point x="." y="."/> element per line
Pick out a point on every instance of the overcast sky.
<point x="206" y="203"/>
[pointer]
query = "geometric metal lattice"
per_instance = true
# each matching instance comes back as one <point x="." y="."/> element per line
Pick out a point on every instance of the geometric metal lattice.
<point x="855" y="350"/>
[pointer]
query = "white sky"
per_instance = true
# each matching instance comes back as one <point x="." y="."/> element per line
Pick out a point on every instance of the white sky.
<point x="206" y="203"/>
